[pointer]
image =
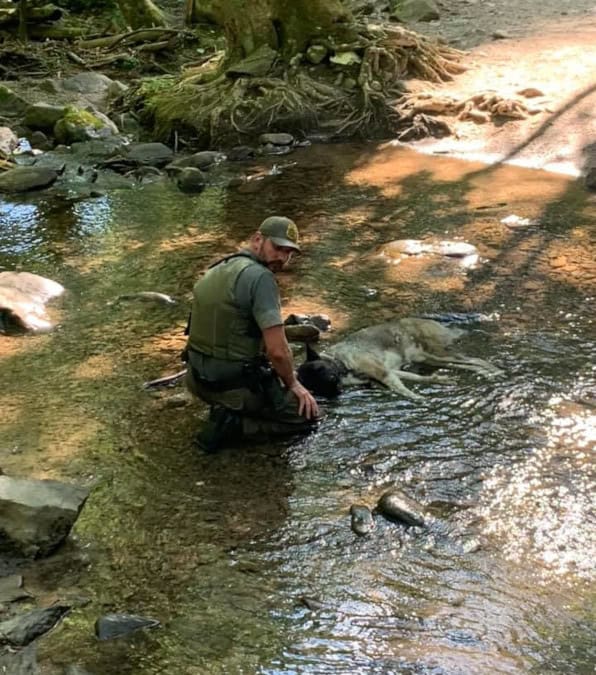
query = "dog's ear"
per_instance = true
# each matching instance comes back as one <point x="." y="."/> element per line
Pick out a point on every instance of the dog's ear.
<point x="311" y="354"/>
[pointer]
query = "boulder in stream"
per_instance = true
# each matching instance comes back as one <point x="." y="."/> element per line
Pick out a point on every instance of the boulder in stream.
<point x="396" y="505"/>
<point x="23" y="297"/>
<point x="36" y="516"/>
<point x="26" y="178"/>
<point x="362" y="521"/>
<point x="8" y="141"/>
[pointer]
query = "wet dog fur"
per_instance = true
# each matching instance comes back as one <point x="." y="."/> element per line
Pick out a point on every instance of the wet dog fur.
<point x="380" y="353"/>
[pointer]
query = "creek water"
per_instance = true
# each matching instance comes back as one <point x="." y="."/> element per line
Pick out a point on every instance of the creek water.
<point x="247" y="557"/>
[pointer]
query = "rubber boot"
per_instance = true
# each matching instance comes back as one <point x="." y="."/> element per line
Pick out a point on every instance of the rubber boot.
<point x="223" y="425"/>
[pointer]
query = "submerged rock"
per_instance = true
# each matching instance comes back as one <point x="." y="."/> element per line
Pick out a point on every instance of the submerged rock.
<point x="23" y="629"/>
<point x="191" y="180"/>
<point x="113" y="626"/>
<point x="200" y="160"/>
<point x="37" y="515"/>
<point x="154" y="154"/>
<point x="398" y="506"/>
<point x="362" y="519"/>
<point x="26" y="178"/>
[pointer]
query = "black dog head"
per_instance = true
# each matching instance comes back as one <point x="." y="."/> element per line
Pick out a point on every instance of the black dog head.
<point x="320" y="375"/>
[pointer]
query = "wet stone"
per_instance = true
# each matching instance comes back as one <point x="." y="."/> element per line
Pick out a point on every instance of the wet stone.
<point x="26" y="178"/>
<point x="362" y="519"/>
<point x="396" y="505"/>
<point x="276" y="139"/>
<point x="191" y="180"/>
<point x="111" y="626"/>
<point x="23" y="629"/>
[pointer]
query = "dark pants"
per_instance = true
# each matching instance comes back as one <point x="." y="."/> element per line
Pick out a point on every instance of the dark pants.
<point x="268" y="410"/>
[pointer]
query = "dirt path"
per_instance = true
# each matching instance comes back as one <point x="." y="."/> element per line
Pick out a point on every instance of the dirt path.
<point x="546" y="49"/>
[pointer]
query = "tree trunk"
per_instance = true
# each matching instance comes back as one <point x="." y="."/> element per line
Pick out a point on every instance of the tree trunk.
<point x="141" y="13"/>
<point x="287" y="26"/>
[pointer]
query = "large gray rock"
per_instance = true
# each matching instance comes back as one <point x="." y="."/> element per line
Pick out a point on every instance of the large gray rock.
<point x="93" y="87"/>
<point x="26" y="178"/>
<point x="43" y="115"/>
<point x="11" y="589"/>
<point x="36" y="516"/>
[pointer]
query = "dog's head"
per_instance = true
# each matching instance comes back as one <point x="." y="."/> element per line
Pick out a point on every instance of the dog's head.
<point x="320" y="375"/>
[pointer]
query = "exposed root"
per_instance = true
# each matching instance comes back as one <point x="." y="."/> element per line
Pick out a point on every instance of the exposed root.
<point x="220" y="107"/>
<point x="480" y="108"/>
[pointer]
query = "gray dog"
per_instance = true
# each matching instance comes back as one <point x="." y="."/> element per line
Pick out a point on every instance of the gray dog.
<point x="380" y="353"/>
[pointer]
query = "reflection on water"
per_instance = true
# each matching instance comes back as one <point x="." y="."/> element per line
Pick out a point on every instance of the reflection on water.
<point x="247" y="557"/>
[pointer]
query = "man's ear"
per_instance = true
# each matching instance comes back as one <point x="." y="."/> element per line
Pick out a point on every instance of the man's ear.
<point x="311" y="354"/>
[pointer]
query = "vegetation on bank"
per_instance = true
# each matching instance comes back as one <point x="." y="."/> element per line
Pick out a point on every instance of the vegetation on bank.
<point x="305" y="66"/>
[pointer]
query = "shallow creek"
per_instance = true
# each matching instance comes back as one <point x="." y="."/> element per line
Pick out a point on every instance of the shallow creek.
<point x="225" y="549"/>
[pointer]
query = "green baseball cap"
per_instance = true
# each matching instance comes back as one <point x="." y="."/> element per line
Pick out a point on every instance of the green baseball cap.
<point x="282" y="231"/>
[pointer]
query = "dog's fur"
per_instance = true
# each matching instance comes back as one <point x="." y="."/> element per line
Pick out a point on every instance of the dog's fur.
<point x="380" y="353"/>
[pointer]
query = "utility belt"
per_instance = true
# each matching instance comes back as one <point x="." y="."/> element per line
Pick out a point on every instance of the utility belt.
<point x="257" y="375"/>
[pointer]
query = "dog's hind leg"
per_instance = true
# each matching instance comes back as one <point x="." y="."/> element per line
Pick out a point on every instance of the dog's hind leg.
<point x="373" y="367"/>
<point x="459" y="362"/>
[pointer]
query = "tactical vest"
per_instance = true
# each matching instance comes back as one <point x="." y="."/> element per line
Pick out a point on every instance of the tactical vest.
<point x="218" y="326"/>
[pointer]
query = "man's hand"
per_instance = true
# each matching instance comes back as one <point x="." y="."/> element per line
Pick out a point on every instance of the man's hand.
<point x="307" y="405"/>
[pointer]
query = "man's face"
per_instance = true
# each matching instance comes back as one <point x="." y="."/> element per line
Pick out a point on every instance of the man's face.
<point x="275" y="257"/>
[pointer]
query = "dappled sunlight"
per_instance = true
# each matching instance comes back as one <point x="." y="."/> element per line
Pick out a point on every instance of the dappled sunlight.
<point x="520" y="191"/>
<point x="64" y="442"/>
<point x="95" y="367"/>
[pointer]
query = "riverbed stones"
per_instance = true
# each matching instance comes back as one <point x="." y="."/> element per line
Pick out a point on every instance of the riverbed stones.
<point x="43" y="115"/>
<point x="276" y="139"/>
<point x="21" y="630"/>
<point x="11" y="105"/>
<point x="111" y="626"/>
<point x="21" y="662"/>
<point x="153" y="154"/>
<point x="79" y="125"/>
<point x="396" y="505"/>
<point x="200" y="160"/>
<point x="26" y="179"/>
<point x="191" y="180"/>
<point x="416" y="10"/>
<point x="36" y="516"/>
<point x="362" y="521"/>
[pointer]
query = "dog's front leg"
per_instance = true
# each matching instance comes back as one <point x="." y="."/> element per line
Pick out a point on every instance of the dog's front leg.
<point x="393" y="382"/>
<point x="415" y="377"/>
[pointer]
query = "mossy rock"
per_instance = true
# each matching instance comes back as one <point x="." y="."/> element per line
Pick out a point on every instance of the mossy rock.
<point x="79" y="125"/>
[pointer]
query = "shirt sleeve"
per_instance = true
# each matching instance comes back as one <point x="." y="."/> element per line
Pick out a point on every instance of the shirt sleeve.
<point x="258" y="290"/>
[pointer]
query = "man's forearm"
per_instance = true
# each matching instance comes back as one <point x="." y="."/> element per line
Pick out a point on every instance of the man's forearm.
<point x="283" y="364"/>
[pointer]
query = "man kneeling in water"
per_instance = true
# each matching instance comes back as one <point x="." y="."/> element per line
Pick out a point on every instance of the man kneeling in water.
<point x="236" y="311"/>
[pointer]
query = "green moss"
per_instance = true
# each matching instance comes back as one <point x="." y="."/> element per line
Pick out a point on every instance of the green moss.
<point x="81" y="118"/>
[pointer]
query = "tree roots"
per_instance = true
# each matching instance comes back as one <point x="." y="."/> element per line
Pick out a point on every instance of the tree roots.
<point x="344" y="100"/>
